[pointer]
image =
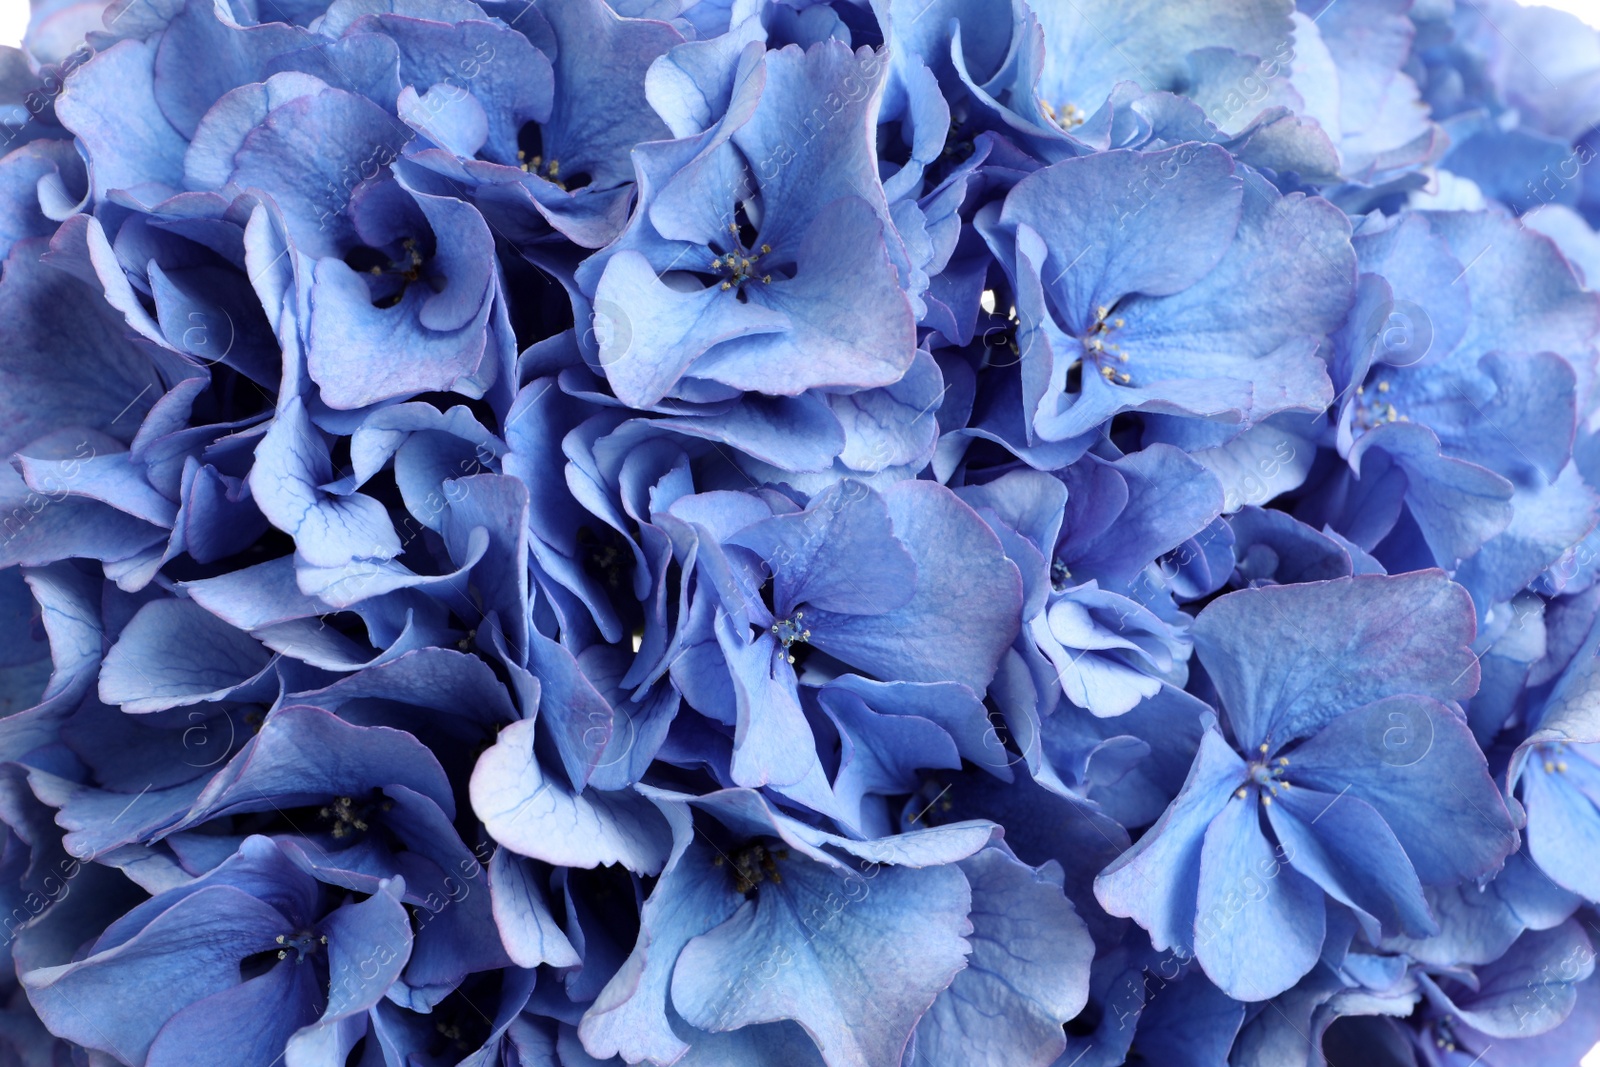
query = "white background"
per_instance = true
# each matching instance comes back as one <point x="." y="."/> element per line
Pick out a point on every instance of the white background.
<point x="1587" y="10"/>
<point x="13" y="20"/>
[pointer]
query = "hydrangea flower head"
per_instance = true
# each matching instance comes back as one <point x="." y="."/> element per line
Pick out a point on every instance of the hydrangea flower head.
<point x="698" y="534"/>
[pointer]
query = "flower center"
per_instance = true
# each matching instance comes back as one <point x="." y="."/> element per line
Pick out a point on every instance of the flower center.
<point x="1101" y="352"/>
<point x="389" y="278"/>
<point x="535" y="164"/>
<point x="302" y="944"/>
<point x="350" y="816"/>
<point x="788" y="631"/>
<point x="1267" y="776"/>
<point x="1554" y="757"/>
<point x="753" y="865"/>
<point x="605" y="556"/>
<point x="1067" y="116"/>
<point x="741" y="265"/>
<point x="1376" y="407"/>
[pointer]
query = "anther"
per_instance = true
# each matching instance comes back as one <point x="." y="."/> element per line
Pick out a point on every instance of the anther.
<point x="789" y="631"/>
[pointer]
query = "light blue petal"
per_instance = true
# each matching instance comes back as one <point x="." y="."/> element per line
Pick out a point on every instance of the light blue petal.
<point x="1563" y="829"/>
<point x="1416" y="762"/>
<point x="292" y="462"/>
<point x="305" y="755"/>
<point x="111" y="106"/>
<point x="527" y="928"/>
<point x="1029" y="967"/>
<point x="1344" y="846"/>
<point x="966" y="606"/>
<point x="854" y="961"/>
<point x="1155" y="882"/>
<point x="630" y="1016"/>
<point x="839" y="554"/>
<point x="174" y="652"/>
<point x="1259" y="923"/>
<point x="537" y="815"/>
<point x="1281" y="676"/>
<point x="249" y="1024"/>
<point x="117" y="1000"/>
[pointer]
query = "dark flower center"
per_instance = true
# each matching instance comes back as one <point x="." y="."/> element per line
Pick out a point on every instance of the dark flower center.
<point x="532" y="157"/>
<point x="1444" y="1034"/>
<point x="460" y="1024"/>
<point x="606" y="557"/>
<point x="388" y="277"/>
<point x="350" y="816"/>
<point x="753" y="864"/>
<point x="303" y="943"/>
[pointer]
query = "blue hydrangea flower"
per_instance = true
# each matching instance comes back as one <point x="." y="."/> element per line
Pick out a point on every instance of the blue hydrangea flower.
<point x="1103" y="328"/>
<point x="1327" y="764"/>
